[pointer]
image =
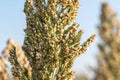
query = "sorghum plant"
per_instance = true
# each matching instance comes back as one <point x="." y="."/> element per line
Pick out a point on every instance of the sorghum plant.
<point x="109" y="58"/>
<point x="52" y="41"/>
<point x="9" y="55"/>
<point x="3" y="66"/>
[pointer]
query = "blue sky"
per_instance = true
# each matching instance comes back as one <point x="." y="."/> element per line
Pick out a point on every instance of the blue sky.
<point x="12" y="23"/>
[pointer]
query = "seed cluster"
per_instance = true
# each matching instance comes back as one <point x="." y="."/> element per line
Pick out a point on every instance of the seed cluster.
<point x="109" y="58"/>
<point x="52" y="41"/>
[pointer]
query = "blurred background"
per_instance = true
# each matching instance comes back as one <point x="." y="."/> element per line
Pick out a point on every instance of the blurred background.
<point x="12" y="23"/>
